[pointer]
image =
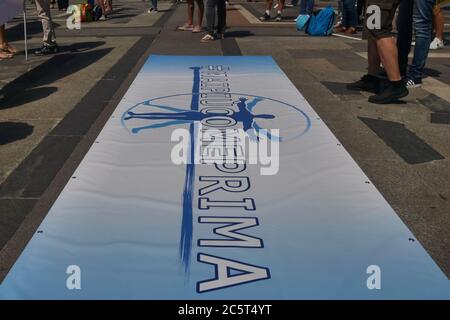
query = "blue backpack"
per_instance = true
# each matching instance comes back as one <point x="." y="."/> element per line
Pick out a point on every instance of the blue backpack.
<point x="302" y="21"/>
<point x="321" y="24"/>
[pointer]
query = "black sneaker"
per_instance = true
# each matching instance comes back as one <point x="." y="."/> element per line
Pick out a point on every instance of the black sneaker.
<point x="390" y="94"/>
<point x="368" y="83"/>
<point x="278" y="18"/>
<point x="46" y="49"/>
<point x="265" y="17"/>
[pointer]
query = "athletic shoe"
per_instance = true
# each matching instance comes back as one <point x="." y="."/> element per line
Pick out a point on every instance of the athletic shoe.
<point x="46" y="50"/>
<point x="390" y="94"/>
<point x="265" y="17"/>
<point x="102" y="18"/>
<point x="411" y="83"/>
<point x="288" y="5"/>
<point x="338" y="23"/>
<point x="368" y="83"/>
<point x="207" y="38"/>
<point x="278" y="18"/>
<point x="436" y="44"/>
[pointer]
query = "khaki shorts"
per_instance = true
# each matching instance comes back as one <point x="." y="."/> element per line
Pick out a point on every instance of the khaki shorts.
<point x="387" y="11"/>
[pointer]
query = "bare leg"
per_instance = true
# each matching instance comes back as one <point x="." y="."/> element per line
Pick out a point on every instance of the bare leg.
<point x="3" y="35"/>
<point x="280" y="5"/>
<point x="6" y="50"/>
<point x="190" y="8"/>
<point x="269" y="5"/>
<point x="438" y="22"/>
<point x="200" y="13"/>
<point x="387" y="49"/>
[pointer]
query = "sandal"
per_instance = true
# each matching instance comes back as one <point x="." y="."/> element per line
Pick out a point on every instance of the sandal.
<point x="186" y="27"/>
<point x="197" y="29"/>
<point x="5" y="55"/>
<point x="9" y="49"/>
<point x="207" y="38"/>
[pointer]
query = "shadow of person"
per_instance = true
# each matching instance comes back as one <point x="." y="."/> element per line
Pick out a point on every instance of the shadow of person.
<point x="13" y="131"/>
<point x="33" y="85"/>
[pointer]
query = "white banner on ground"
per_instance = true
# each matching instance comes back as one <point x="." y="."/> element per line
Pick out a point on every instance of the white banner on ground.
<point x="133" y="224"/>
<point x="9" y="9"/>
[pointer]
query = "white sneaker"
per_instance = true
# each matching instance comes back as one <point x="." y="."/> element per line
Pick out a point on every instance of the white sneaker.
<point x="436" y="44"/>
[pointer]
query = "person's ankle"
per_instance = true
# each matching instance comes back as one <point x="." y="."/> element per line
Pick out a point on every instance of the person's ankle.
<point x="373" y="76"/>
<point x="396" y="83"/>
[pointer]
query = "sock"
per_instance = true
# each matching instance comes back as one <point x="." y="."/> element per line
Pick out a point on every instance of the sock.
<point x="397" y="84"/>
<point x="372" y="77"/>
<point x="268" y="12"/>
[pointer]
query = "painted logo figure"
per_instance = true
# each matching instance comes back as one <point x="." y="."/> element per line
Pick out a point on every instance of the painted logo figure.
<point x="178" y="116"/>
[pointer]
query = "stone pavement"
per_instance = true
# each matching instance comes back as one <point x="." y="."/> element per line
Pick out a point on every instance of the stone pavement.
<point x="52" y="108"/>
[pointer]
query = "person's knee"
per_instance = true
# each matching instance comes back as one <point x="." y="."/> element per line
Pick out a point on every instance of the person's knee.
<point x="423" y="26"/>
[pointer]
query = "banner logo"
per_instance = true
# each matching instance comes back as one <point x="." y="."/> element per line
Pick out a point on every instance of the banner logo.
<point x="217" y="113"/>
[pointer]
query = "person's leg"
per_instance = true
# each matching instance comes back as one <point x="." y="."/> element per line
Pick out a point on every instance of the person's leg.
<point x="5" y="53"/>
<point x="352" y="19"/>
<point x="3" y="35"/>
<point x="108" y="6"/>
<point x="152" y="6"/>
<point x="266" y="15"/>
<point x="221" y="17"/>
<point x="404" y="33"/>
<point x="280" y="9"/>
<point x="190" y="13"/>
<point x="345" y="16"/>
<point x="155" y="5"/>
<point x="303" y="6"/>
<point x="200" y="13"/>
<point x="382" y="47"/>
<point x="43" y="11"/>
<point x="309" y="6"/>
<point x="210" y="16"/>
<point x="387" y="49"/>
<point x="423" y="24"/>
<point x="439" y="22"/>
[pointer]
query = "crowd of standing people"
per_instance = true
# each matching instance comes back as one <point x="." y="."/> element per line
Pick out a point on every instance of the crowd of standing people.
<point x="389" y="76"/>
<point x="49" y="45"/>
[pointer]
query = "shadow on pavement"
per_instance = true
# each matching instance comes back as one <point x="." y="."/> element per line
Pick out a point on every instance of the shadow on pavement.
<point x="29" y="86"/>
<point x="239" y="34"/>
<point x="13" y="131"/>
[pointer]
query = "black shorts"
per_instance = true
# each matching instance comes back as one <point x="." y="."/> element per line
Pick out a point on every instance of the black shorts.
<point x="387" y="13"/>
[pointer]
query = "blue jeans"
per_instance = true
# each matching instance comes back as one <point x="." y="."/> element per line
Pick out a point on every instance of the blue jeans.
<point x="349" y="14"/>
<point x="417" y="14"/>
<point x="154" y="4"/>
<point x="306" y="6"/>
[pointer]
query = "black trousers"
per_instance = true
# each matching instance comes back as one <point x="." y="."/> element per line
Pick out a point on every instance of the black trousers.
<point x="213" y="7"/>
